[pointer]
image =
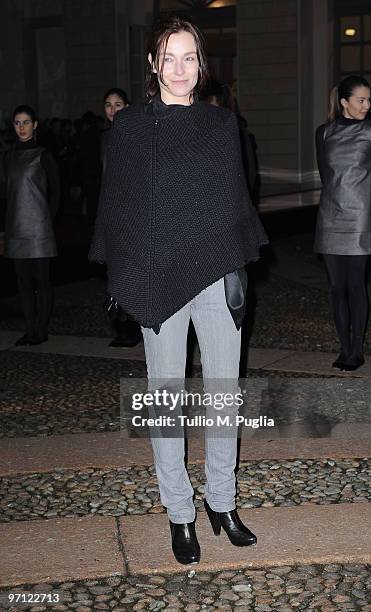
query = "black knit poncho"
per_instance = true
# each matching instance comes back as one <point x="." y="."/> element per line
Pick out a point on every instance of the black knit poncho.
<point x="175" y="214"/>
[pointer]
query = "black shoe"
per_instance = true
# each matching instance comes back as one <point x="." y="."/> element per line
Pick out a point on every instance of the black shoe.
<point x="185" y="545"/>
<point x="340" y="361"/>
<point x="39" y="340"/>
<point x="353" y="363"/>
<point x="236" y="531"/>
<point x="24" y="341"/>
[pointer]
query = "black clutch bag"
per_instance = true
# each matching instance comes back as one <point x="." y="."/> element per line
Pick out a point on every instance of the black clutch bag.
<point x="235" y="287"/>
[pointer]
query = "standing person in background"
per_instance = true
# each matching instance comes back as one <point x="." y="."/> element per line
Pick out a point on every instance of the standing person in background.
<point x="115" y="99"/>
<point x="65" y="155"/>
<point x="32" y="202"/>
<point x="343" y="232"/>
<point x="220" y="94"/>
<point x="89" y="164"/>
<point x="127" y="331"/>
<point x="55" y="134"/>
<point x="175" y="222"/>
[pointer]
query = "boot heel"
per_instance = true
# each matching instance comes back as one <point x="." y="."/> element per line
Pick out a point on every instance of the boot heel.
<point x="214" y="518"/>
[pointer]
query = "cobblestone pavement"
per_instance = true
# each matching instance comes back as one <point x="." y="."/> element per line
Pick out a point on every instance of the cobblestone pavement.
<point x="327" y="588"/>
<point x="128" y="491"/>
<point x="44" y="394"/>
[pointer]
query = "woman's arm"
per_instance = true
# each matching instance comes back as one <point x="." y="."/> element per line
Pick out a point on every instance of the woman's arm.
<point x="52" y="174"/>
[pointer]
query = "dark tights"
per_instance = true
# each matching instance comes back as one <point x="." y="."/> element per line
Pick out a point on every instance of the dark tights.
<point x="348" y="293"/>
<point x="35" y="290"/>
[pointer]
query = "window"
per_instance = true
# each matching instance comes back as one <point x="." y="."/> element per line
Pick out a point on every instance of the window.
<point x="355" y="45"/>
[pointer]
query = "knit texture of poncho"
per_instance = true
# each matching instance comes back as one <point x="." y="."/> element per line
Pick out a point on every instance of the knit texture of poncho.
<point x="175" y="213"/>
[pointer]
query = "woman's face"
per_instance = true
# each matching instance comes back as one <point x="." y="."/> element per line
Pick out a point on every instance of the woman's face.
<point x="180" y="68"/>
<point x="24" y="126"/>
<point x="113" y="104"/>
<point x="358" y="105"/>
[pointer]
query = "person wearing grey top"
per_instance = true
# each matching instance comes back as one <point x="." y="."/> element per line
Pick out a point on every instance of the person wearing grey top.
<point x="343" y="230"/>
<point x="32" y="200"/>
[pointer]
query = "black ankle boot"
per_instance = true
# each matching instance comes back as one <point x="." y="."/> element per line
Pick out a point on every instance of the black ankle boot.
<point x="25" y="340"/>
<point x="185" y="545"/>
<point x="353" y="363"/>
<point x="236" y="531"/>
<point x="40" y="339"/>
<point x="340" y="361"/>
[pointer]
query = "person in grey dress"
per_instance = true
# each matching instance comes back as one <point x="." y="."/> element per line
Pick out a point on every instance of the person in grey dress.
<point x="32" y="200"/>
<point x="343" y="231"/>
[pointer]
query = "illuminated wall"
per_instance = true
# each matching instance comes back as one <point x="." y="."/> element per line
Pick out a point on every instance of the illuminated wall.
<point x="283" y="80"/>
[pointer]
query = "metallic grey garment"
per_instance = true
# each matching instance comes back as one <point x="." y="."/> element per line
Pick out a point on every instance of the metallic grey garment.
<point x="344" y="216"/>
<point x="28" y="225"/>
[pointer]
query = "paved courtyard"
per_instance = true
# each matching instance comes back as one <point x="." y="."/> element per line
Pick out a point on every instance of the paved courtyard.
<point x="80" y="516"/>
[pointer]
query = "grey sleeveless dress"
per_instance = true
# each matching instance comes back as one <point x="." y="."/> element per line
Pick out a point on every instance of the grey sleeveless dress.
<point x="28" y="224"/>
<point x="344" y="216"/>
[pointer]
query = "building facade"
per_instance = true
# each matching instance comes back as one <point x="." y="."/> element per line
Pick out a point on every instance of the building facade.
<point x="281" y="56"/>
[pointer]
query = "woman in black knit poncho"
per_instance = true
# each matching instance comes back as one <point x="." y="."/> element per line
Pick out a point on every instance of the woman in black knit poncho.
<point x="176" y="227"/>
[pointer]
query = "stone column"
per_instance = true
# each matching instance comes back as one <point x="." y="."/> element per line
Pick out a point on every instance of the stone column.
<point x="281" y="75"/>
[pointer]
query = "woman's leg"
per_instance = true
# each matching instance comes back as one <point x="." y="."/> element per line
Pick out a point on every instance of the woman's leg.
<point x="24" y="272"/>
<point x="337" y="272"/>
<point x="358" y="303"/>
<point x="44" y="296"/>
<point x="220" y="345"/>
<point x="166" y="355"/>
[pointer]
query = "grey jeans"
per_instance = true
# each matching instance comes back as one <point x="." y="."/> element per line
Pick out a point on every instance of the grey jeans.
<point x="166" y="353"/>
